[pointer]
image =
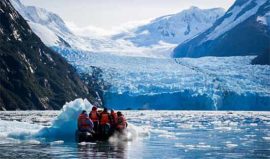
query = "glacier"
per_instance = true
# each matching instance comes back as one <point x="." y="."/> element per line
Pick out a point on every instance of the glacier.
<point x="208" y="83"/>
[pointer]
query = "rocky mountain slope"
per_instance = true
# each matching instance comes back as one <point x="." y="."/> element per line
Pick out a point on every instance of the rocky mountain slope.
<point x="32" y="75"/>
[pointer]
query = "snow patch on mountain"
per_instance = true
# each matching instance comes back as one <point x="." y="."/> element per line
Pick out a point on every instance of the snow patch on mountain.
<point x="48" y="37"/>
<point x="265" y="19"/>
<point x="48" y="26"/>
<point x="174" y="28"/>
<point x="234" y="19"/>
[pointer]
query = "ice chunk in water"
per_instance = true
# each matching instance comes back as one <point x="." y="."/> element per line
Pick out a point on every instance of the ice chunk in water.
<point x="65" y="125"/>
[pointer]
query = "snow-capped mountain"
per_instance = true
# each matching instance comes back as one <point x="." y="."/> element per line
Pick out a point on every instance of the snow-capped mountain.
<point x="48" y="26"/>
<point x="243" y="30"/>
<point x="54" y="32"/>
<point x="166" y="32"/>
<point x="174" y="28"/>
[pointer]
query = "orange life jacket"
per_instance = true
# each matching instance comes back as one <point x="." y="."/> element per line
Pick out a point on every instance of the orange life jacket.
<point x="93" y="115"/>
<point x="104" y="118"/>
<point x="114" y="118"/>
<point x="121" y="122"/>
<point x="82" y="122"/>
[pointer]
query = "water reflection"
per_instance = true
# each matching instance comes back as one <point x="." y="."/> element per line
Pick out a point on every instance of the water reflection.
<point x="102" y="149"/>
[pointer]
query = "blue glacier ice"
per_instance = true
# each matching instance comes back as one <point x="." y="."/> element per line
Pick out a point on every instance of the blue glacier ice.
<point x="64" y="126"/>
<point x="208" y="83"/>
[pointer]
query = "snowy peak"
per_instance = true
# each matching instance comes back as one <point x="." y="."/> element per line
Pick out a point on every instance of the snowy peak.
<point x="40" y="16"/>
<point x="243" y="30"/>
<point x="48" y="26"/>
<point x="174" y="28"/>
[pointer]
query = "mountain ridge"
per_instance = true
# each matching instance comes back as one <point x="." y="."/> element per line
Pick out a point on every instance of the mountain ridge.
<point x="173" y="28"/>
<point x="52" y="36"/>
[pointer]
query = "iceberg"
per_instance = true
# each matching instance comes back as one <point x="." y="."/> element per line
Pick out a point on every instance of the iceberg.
<point x="65" y="125"/>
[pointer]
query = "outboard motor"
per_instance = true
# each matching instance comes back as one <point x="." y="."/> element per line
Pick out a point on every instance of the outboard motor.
<point x="83" y="136"/>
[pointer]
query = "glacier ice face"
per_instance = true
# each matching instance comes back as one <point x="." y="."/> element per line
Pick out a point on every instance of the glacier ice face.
<point x="186" y="83"/>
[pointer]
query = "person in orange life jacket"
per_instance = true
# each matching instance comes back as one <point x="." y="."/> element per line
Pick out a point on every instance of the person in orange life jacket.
<point x="121" y="122"/>
<point x="113" y="117"/>
<point x="84" y="123"/>
<point x="113" y="120"/>
<point x="104" y="117"/>
<point x="94" y="116"/>
<point x="104" y="122"/>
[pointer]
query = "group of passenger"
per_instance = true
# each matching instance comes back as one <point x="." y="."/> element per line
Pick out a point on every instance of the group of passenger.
<point x="101" y="123"/>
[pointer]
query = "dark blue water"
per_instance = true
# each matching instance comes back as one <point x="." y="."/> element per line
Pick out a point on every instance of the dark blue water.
<point x="159" y="134"/>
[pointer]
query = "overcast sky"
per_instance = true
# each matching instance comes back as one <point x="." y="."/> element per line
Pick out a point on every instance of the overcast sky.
<point x="108" y="14"/>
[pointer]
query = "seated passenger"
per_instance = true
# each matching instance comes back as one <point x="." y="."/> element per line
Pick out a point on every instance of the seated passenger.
<point x="113" y="118"/>
<point x="113" y="123"/>
<point x="121" y="122"/>
<point x="104" y="122"/>
<point x="84" y="123"/>
<point x="94" y="116"/>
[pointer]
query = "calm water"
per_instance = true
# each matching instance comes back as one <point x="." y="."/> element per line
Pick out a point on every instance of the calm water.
<point x="159" y="134"/>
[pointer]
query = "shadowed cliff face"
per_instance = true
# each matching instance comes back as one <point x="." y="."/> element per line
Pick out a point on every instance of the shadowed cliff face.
<point x="32" y="75"/>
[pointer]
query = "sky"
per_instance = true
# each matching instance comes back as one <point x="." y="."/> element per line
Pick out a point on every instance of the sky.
<point x="101" y="15"/>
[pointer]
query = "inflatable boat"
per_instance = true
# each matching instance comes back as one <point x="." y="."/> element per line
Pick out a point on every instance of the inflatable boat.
<point x="92" y="137"/>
